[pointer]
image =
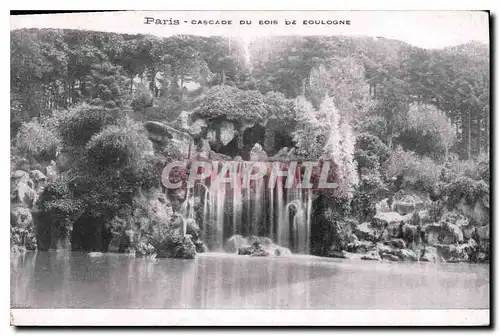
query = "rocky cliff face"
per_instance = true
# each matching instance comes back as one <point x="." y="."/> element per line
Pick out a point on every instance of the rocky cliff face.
<point x="410" y="230"/>
<point x="26" y="186"/>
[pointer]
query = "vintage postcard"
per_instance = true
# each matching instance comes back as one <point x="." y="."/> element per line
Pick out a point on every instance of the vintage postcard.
<point x="250" y="168"/>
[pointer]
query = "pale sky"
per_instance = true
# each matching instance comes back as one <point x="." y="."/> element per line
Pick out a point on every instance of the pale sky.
<point x="427" y="29"/>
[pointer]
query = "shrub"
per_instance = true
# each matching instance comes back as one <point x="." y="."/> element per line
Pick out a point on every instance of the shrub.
<point x="119" y="147"/>
<point x="37" y="141"/>
<point x="370" y="150"/>
<point x="477" y="169"/>
<point x="57" y="204"/>
<point x="465" y="188"/>
<point x="83" y="122"/>
<point x="417" y="173"/>
<point x="150" y="219"/>
<point x="370" y="191"/>
<point x="428" y="131"/>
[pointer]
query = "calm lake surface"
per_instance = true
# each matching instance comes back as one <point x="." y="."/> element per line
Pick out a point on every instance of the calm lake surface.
<point x="76" y="280"/>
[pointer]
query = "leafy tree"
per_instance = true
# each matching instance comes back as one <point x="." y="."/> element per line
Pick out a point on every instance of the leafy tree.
<point x="340" y="78"/>
<point x="392" y="107"/>
<point x="184" y="61"/>
<point x="118" y="146"/>
<point x="321" y="135"/>
<point x="106" y="86"/>
<point x="428" y="132"/>
<point x="420" y="173"/>
<point x="79" y="124"/>
<point x="36" y="141"/>
<point x="308" y="136"/>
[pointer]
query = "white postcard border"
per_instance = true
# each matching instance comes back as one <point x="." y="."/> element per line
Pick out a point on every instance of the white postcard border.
<point x="244" y="317"/>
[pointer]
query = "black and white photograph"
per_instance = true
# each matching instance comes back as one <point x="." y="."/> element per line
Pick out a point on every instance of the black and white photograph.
<point x="316" y="163"/>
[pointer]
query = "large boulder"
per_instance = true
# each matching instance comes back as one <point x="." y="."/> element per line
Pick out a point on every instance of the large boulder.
<point x="383" y="206"/>
<point x="361" y="246"/>
<point x="483" y="232"/>
<point x="144" y="250"/>
<point x="429" y="254"/>
<point x="176" y="246"/>
<point x="453" y="253"/>
<point x="371" y="255"/>
<point x="227" y="132"/>
<point x="432" y="233"/>
<point x="334" y="253"/>
<point x="20" y="217"/>
<point x="254" y="250"/>
<point x="255" y="246"/>
<point x="406" y="255"/>
<point x="197" y="128"/>
<point x="468" y="231"/>
<point x="39" y="179"/>
<point x="389" y="257"/>
<point x="451" y="234"/>
<point x="397" y="243"/>
<point x="412" y="233"/>
<point x="405" y="205"/>
<point x="390" y="219"/>
<point x="22" y="231"/>
<point x="22" y="188"/>
<point x="408" y="204"/>
<point x="257" y="153"/>
<point x="479" y="211"/>
<point x="369" y="231"/>
<point x="455" y="218"/>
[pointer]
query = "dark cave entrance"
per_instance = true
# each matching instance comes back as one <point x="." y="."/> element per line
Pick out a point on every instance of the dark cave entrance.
<point x="251" y="136"/>
<point x="90" y="234"/>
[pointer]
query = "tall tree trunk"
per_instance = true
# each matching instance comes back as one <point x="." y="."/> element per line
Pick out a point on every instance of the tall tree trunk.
<point x="223" y="76"/>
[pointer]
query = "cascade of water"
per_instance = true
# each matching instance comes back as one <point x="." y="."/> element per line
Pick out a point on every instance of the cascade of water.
<point x="187" y="207"/>
<point x="282" y="216"/>
<point x="205" y="212"/>
<point x="271" y="208"/>
<point x="271" y="213"/>
<point x="257" y="206"/>
<point x="237" y="199"/>
<point x="221" y="202"/>
<point x="184" y="225"/>
<point x="248" y="198"/>
<point x="308" y="221"/>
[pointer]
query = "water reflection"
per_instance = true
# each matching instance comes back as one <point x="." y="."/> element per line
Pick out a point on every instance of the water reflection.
<point x="76" y="280"/>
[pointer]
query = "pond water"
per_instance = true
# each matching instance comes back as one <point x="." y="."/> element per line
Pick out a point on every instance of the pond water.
<point x="213" y="280"/>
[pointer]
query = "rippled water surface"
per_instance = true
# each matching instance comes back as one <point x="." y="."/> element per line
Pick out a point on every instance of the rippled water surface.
<point x="75" y="280"/>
